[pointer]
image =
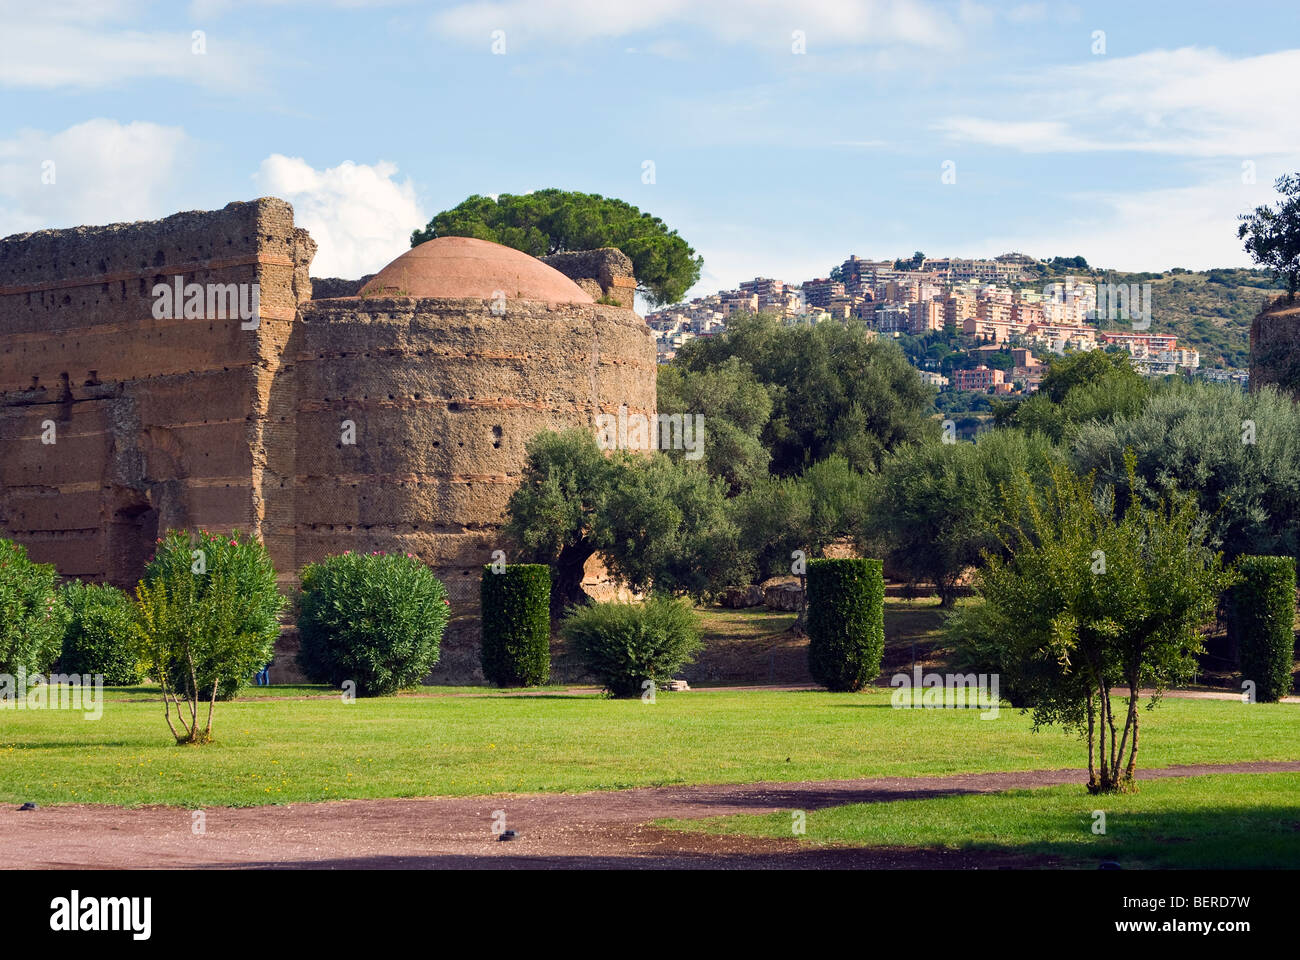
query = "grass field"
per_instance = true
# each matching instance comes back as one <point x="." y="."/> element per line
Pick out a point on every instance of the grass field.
<point x="1218" y="821"/>
<point x="317" y="748"/>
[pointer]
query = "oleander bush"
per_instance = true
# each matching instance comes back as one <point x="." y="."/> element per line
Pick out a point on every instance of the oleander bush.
<point x="100" y="637"/>
<point x="374" y="620"/>
<point x="32" y="614"/>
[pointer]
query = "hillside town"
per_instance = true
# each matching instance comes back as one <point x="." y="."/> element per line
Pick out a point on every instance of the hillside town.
<point x="999" y="315"/>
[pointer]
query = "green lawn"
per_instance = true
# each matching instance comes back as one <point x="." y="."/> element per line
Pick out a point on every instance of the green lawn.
<point x="278" y="751"/>
<point x="1221" y="821"/>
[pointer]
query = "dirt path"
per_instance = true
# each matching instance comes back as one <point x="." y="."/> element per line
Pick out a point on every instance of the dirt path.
<point x="587" y="830"/>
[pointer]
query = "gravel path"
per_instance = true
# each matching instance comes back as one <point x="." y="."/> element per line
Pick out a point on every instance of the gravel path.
<point x="587" y="830"/>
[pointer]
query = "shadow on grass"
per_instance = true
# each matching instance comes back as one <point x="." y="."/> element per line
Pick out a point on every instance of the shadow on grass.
<point x="1199" y="839"/>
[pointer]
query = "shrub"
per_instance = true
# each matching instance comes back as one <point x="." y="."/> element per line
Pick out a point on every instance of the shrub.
<point x="1261" y="619"/>
<point x="100" y="638"/>
<point x="624" y="645"/>
<point x="32" y="614"/>
<point x="516" y="603"/>
<point x="846" y="622"/>
<point x="207" y="616"/>
<point x="373" y="619"/>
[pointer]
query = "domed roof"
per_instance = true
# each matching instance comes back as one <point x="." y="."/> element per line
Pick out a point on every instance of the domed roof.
<point x="465" y="267"/>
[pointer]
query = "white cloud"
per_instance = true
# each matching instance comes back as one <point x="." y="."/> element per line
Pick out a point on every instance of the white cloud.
<point x="1191" y="226"/>
<point x="826" y="23"/>
<point x="59" y="44"/>
<point x="1191" y="101"/>
<point x="360" y="216"/>
<point x="103" y="172"/>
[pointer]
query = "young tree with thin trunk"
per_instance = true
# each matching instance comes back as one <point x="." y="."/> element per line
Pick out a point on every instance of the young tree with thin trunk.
<point x="207" y="616"/>
<point x="1092" y="599"/>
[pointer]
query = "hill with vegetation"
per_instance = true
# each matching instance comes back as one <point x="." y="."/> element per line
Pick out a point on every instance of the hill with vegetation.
<point x="1210" y="310"/>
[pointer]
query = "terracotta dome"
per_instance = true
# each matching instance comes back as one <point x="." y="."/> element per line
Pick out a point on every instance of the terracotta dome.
<point x="465" y="267"/>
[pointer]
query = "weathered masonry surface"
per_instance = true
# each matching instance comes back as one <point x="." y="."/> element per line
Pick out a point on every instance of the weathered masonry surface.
<point x="1275" y="346"/>
<point x="221" y="424"/>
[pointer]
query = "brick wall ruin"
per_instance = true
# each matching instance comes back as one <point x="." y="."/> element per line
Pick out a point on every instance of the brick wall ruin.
<point x="605" y="273"/>
<point x="154" y="423"/>
<point x="202" y="422"/>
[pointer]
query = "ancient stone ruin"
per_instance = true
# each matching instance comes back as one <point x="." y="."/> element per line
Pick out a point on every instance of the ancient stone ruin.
<point x="1275" y="346"/>
<point x="391" y="416"/>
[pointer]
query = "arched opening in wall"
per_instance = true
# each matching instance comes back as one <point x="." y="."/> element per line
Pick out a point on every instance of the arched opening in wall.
<point x="132" y="536"/>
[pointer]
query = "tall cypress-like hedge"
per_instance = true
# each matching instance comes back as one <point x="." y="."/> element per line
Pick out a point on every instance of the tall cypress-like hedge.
<point x="846" y="622"/>
<point x="1261" y="612"/>
<point x="516" y="604"/>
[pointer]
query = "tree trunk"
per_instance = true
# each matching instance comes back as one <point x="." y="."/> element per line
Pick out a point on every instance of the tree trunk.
<point x="566" y="585"/>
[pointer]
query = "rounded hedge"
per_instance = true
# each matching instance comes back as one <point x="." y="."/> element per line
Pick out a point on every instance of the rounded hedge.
<point x="516" y="607"/>
<point x="846" y="622"/>
<point x="625" y="644"/>
<point x="100" y="637"/>
<point x="32" y="614"/>
<point x="1261" y="618"/>
<point x="373" y="619"/>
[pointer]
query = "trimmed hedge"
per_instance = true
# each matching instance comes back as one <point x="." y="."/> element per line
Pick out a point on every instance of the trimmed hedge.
<point x="516" y="604"/>
<point x="373" y="619"/>
<point x="101" y="635"/>
<point x="846" y="622"/>
<point x="1261" y="617"/>
<point x="626" y="644"/>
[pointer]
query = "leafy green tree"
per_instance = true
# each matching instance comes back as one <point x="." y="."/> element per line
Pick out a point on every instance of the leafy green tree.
<point x="827" y="503"/>
<point x="839" y="500"/>
<point x="1090" y="600"/>
<point x="939" y="506"/>
<point x="208" y="617"/>
<point x="554" y="221"/>
<point x="735" y="407"/>
<point x="833" y="389"/>
<point x="664" y="525"/>
<point x="554" y="513"/>
<point x="1272" y="234"/>
<point x="773" y="518"/>
<point x="657" y="522"/>
<point x="1081" y="387"/>
<point x="1237" y="453"/>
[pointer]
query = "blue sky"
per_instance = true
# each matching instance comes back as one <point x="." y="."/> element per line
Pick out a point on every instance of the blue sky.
<point x="1125" y="132"/>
